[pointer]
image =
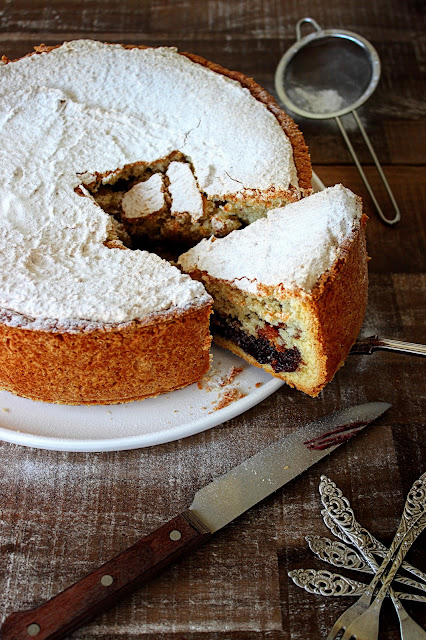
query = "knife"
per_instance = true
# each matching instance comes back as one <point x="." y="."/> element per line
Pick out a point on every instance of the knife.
<point x="213" y="507"/>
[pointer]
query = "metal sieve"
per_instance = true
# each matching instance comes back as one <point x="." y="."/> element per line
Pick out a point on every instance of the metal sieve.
<point x="327" y="74"/>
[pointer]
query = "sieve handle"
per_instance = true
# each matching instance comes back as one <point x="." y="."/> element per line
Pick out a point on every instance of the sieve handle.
<point x="311" y="21"/>
<point x="397" y="217"/>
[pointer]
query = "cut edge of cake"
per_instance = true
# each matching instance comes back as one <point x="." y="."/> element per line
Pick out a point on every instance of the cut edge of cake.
<point x="301" y="336"/>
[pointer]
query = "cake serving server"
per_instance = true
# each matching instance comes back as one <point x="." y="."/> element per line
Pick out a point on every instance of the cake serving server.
<point x="213" y="507"/>
<point x="374" y="343"/>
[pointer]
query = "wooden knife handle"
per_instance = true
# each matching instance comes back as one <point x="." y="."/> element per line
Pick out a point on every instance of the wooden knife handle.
<point x="101" y="589"/>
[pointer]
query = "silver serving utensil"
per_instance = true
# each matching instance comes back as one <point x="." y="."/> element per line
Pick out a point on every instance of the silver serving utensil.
<point x="340" y="555"/>
<point x="373" y="545"/>
<point x="374" y="343"/>
<point x="366" y="626"/>
<point x="326" y="583"/>
<point x="339" y="509"/>
<point x="337" y="553"/>
<point x="328" y="74"/>
<point x="213" y="507"/>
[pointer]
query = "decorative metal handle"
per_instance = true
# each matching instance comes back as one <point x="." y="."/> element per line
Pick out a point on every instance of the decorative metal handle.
<point x="414" y="508"/>
<point x="338" y="508"/>
<point x="325" y="583"/>
<point x="337" y="554"/>
<point x="411" y="520"/>
<point x="374" y="343"/>
<point x="340" y="555"/>
<point x="373" y="546"/>
<point x="403" y="549"/>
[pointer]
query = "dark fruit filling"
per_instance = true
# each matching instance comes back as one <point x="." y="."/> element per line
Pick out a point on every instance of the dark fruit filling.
<point x="260" y="348"/>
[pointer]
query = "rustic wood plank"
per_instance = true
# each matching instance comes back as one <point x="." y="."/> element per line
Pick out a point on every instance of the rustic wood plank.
<point x="406" y="141"/>
<point x="381" y="19"/>
<point x="402" y="247"/>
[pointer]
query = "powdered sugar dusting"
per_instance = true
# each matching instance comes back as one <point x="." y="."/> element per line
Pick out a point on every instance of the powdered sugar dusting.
<point x="144" y="198"/>
<point x="184" y="192"/>
<point x="88" y="107"/>
<point x="323" y="101"/>
<point x="293" y="246"/>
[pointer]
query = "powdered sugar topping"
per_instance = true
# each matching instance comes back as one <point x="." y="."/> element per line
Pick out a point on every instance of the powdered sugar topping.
<point x="88" y="107"/>
<point x="145" y="198"/>
<point x="323" y="101"/>
<point x="293" y="246"/>
<point x="184" y="192"/>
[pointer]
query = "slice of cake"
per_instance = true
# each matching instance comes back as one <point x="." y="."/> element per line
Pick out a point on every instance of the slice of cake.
<point x="290" y="290"/>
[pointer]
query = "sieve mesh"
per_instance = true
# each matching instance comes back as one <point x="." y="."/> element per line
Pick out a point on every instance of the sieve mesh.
<point x="328" y="74"/>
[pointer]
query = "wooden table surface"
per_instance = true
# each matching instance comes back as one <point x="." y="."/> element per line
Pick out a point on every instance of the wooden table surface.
<point x="62" y="514"/>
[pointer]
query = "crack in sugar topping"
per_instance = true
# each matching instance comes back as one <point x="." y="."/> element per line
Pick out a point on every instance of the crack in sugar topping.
<point x="86" y="107"/>
<point x="292" y="247"/>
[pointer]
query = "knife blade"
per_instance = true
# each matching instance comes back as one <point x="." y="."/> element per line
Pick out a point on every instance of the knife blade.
<point x="213" y="507"/>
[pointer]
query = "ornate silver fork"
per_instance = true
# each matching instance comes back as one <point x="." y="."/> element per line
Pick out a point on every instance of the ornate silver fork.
<point x="340" y="555"/>
<point x="338" y="507"/>
<point x="325" y="583"/>
<point x="370" y="543"/>
<point x="366" y="626"/>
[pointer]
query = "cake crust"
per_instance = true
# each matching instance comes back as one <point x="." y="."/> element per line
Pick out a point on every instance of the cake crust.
<point x="109" y="364"/>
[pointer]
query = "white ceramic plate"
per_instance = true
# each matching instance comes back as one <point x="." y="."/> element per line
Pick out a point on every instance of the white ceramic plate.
<point x="139" y="424"/>
<point x="136" y="424"/>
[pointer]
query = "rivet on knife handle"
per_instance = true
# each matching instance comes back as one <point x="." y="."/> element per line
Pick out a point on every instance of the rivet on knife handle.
<point x="101" y="589"/>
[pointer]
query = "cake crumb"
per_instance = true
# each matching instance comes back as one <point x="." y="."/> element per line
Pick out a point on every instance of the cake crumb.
<point x="258" y="384"/>
<point x="232" y="373"/>
<point x="229" y="396"/>
<point x="6" y="410"/>
<point x="214" y="379"/>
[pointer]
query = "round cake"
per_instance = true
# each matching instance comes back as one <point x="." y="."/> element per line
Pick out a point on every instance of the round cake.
<point x="100" y="144"/>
